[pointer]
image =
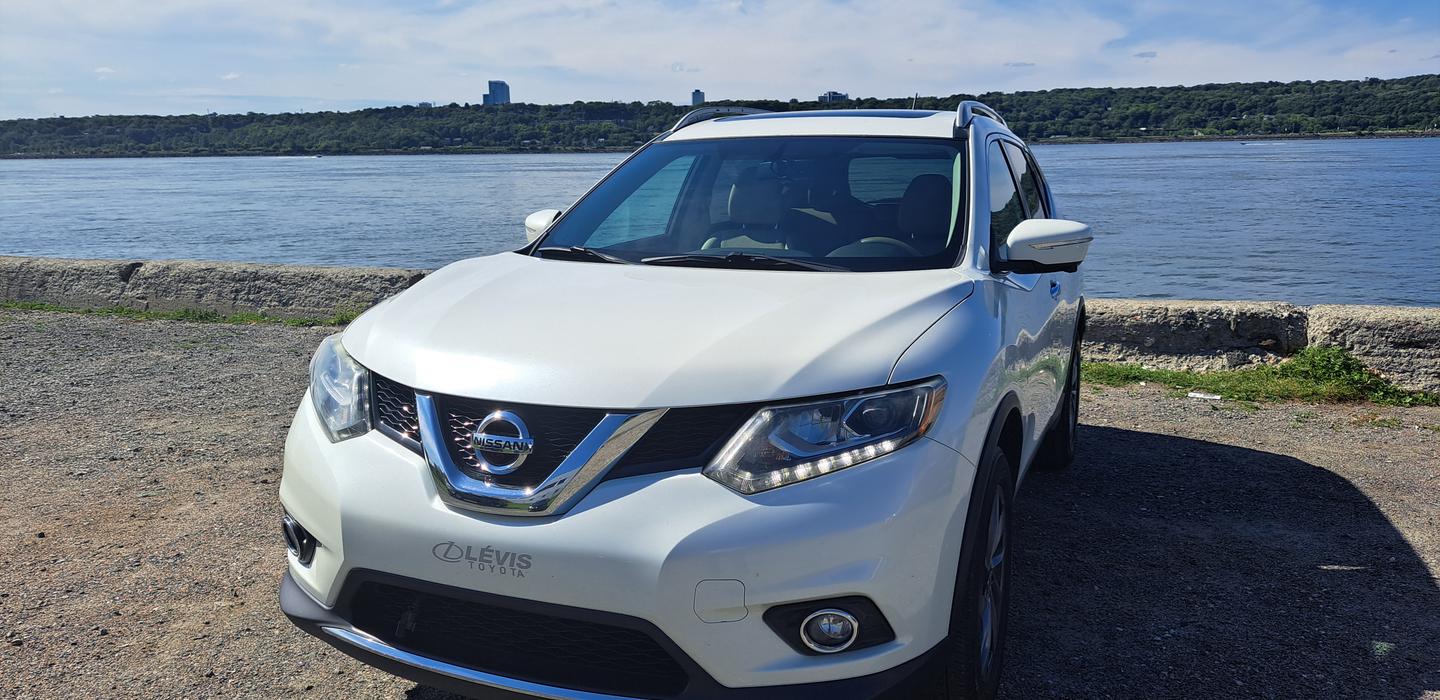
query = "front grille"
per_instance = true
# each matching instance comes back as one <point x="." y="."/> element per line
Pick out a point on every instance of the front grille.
<point x="684" y="438"/>
<point x="556" y="430"/>
<point x="395" y="410"/>
<point x="524" y="644"/>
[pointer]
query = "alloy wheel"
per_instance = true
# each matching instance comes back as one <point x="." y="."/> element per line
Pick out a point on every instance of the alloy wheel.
<point x="992" y="595"/>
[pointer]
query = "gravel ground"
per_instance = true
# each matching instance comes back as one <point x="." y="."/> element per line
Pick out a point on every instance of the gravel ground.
<point x="1196" y="549"/>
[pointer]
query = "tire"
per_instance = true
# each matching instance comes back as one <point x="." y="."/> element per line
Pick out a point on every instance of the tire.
<point x="1057" y="450"/>
<point x="975" y="650"/>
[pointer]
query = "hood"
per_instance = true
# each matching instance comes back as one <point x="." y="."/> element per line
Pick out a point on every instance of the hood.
<point x="519" y="329"/>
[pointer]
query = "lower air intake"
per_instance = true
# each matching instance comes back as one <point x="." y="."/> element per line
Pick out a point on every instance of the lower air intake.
<point x="531" y="646"/>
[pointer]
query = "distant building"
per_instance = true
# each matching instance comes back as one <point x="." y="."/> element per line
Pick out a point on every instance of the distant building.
<point x="499" y="93"/>
<point x="833" y="96"/>
<point x="697" y="98"/>
<point x="425" y="105"/>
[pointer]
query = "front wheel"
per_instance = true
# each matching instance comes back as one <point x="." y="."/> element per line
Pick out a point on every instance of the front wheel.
<point x="975" y="649"/>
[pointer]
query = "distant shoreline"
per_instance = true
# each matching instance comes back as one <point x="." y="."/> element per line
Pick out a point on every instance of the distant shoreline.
<point x="1322" y="136"/>
<point x="1370" y="108"/>
<point x="1055" y="140"/>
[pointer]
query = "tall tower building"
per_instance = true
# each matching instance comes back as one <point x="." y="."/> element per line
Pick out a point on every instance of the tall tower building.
<point x="697" y="98"/>
<point x="499" y="93"/>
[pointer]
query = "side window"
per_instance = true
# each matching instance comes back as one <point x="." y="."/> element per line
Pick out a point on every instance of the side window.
<point x="647" y="212"/>
<point x="1040" y="184"/>
<point x="1029" y="186"/>
<point x="1005" y="208"/>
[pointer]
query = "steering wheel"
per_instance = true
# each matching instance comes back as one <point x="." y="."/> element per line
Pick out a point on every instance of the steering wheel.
<point x="894" y="242"/>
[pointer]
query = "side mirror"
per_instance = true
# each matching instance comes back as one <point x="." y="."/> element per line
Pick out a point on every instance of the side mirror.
<point x="1045" y="245"/>
<point x="536" y="223"/>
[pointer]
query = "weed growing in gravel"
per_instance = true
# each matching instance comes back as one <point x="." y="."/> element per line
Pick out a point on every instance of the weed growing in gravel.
<point x="1317" y="374"/>
<point x="1374" y="421"/>
<point x="192" y="315"/>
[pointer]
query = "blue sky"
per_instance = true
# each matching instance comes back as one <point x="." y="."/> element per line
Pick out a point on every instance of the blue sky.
<point x="77" y="57"/>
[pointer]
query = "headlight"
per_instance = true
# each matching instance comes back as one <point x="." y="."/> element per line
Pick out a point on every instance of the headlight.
<point x="785" y="444"/>
<point x="340" y="390"/>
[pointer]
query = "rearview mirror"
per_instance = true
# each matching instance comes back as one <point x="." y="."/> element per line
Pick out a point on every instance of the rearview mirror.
<point x="1045" y="245"/>
<point x="536" y="223"/>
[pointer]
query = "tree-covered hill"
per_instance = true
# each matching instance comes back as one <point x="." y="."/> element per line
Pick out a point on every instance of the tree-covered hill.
<point x="1233" y="109"/>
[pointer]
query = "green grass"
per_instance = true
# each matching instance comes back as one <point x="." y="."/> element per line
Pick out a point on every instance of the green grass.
<point x="1315" y="374"/>
<point x="338" y="319"/>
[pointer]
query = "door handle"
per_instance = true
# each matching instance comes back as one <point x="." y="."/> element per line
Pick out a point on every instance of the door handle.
<point x="1054" y="289"/>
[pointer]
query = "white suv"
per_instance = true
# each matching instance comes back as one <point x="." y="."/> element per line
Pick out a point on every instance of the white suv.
<point x="746" y="421"/>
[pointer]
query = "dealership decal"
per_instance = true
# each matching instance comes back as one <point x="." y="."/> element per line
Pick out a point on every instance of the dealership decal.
<point x="485" y="559"/>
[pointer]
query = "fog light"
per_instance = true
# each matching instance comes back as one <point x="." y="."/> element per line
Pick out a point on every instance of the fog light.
<point x="298" y="540"/>
<point x="828" y="631"/>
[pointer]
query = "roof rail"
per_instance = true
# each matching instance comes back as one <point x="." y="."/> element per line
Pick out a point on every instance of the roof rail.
<point x="706" y="113"/>
<point x="969" y="108"/>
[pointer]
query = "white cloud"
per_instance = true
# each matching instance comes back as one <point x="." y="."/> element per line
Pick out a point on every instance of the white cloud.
<point x="564" y="50"/>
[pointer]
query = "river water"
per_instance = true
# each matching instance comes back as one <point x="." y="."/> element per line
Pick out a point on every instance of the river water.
<point x="1335" y="221"/>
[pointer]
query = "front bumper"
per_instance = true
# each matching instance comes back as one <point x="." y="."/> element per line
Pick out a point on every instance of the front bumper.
<point x="897" y="683"/>
<point x="650" y="548"/>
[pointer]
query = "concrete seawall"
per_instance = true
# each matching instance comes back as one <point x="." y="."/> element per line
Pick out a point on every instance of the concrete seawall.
<point x="285" y="291"/>
<point x="1402" y="344"/>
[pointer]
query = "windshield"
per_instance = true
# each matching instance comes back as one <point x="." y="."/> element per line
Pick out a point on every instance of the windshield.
<point x="816" y="203"/>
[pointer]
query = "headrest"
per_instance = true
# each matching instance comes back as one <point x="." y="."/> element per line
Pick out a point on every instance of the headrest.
<point x="924" y="213"/>
<point x="755" y="199"/>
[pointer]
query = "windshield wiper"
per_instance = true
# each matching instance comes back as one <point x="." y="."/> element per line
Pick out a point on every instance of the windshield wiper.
<point x="577" y="252"/>
<point x="744" y="261"/>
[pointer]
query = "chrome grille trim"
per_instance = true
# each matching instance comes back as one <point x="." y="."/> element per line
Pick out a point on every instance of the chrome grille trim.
<point x="584" y="467"/>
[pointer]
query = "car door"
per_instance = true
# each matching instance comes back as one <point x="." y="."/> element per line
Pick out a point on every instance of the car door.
<point x="1029" y="303"/>
<point x="1062" y="288"/>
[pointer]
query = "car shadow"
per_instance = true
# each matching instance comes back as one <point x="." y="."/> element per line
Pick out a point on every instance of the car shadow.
<point x="1160" y="566"/>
